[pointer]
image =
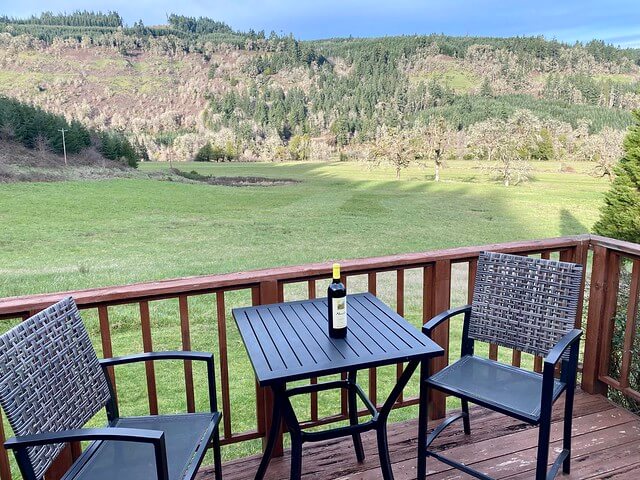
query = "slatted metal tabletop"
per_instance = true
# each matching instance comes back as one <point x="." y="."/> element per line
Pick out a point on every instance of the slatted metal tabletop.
<point x="289" y="341"/>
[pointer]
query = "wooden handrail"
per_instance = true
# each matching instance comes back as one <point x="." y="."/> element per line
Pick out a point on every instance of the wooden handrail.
<point x="621" y="246"/>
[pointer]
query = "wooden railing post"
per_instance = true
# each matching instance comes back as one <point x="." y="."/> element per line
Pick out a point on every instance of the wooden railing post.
<point x="60" y="465"/>
<point x="603" y="291"/>
<point x="269" y="293"/>
<point x="437" y="298"/>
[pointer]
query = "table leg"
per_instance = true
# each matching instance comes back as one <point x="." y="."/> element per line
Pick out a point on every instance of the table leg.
<point x="423" y="417"/>
<point x="381" y="427"/>
<point x="295" y="432"/>
<point x="276" y="424"/>
<point x="353" y="416"/>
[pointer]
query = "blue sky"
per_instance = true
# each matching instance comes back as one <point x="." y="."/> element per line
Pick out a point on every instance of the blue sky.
<point x="616" y="21"/>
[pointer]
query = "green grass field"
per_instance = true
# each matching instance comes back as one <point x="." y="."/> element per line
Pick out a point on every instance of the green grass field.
<point x="71" y="235"/>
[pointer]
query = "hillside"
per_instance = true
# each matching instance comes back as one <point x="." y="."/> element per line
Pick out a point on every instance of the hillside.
<point x="195" y="82"/>
<point x="21" y="164"/>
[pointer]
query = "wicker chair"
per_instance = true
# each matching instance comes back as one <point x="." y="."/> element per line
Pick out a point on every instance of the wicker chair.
<point x="529" y="305"/>
<point x="52" y="384"/>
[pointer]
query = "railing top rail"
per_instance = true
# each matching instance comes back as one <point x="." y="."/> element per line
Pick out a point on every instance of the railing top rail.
<point x="12" y="307"/>
<point x="621" y="246"/>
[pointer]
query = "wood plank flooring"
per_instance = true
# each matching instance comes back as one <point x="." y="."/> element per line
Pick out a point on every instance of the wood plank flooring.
<point x="606" y="444"/>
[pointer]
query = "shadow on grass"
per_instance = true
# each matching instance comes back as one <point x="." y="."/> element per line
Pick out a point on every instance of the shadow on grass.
<point x="570" y="225"/>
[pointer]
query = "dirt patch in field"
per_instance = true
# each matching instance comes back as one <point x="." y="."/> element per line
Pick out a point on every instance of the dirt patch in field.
<point x="234" y="181"/>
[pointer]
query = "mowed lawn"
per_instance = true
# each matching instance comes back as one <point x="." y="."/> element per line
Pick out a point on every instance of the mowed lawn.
<point x="73" y="235"/>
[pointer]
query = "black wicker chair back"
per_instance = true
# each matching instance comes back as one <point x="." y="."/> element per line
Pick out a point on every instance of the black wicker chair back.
<point x="524" y="303"/>
<point x="50" y="378"/>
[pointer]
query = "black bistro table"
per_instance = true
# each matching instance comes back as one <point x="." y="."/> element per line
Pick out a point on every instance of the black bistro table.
<point x="289" y="341"/>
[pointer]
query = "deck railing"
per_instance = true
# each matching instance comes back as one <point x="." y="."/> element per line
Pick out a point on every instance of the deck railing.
<point x="435" y="272"/>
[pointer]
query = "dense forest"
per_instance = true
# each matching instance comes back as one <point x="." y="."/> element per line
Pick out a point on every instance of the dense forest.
<point x="39" y="130"/>
<point x="223" y="94"/>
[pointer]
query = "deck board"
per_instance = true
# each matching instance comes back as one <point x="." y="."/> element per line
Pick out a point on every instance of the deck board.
<point x="606" y="444"/>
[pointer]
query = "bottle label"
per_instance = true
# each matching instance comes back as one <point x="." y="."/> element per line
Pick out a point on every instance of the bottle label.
<point x="340" y="312"/>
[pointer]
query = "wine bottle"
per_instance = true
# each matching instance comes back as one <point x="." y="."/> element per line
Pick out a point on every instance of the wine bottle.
<point x="337" y="302"/>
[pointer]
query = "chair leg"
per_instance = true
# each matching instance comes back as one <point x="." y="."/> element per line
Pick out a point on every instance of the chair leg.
<point x="544" y="432"/>
<point x="466" y="422"/>
<point x="217" y="458"/>
<point x="353" y="418"/>
<point x="423" y="418"/>
<point x="568" y="423"/>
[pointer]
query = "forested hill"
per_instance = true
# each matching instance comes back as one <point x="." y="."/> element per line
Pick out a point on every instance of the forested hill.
<point x="197" y="82"/>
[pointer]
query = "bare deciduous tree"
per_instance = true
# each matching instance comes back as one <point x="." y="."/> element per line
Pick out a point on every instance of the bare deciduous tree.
<point x="393" y="147"/>
<point x="433" y="142"/>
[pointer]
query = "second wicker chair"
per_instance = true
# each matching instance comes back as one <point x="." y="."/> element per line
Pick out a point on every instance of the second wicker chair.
<point x="529" y="305"/>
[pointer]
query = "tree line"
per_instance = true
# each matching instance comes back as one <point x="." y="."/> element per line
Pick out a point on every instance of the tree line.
<point x="36" y="129"/>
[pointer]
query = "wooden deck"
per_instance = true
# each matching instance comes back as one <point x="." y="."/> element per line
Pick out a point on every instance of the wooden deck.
<point x="606" y="444"/>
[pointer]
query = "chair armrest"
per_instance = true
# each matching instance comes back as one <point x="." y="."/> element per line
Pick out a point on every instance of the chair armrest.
<point x="153" y="437"/>
<point x="152" y="356"/>
<point x="172" y="355"/>
<point x="428" y="327"/>
<point x="569" y="339"/>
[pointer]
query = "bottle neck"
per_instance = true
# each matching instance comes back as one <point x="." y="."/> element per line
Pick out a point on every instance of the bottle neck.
<point x="336" y="273"/>
<point x="336" y="280"/>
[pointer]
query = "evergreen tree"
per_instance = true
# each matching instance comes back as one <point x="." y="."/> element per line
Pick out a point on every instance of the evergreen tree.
<point x="620" y="216"/>
<point x="204" y="154"/>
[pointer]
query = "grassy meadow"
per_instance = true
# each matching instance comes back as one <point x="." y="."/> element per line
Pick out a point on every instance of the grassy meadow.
<point x="72" y="235"/>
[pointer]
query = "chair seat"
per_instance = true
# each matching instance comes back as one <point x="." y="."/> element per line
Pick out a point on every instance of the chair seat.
<point x="495" y="385"/>
<point x="186" y="438"/>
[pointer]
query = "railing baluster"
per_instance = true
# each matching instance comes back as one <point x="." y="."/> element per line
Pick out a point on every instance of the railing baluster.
<point x="280" y="297"/>
<point x="372" y="285"/>
<point x="185" y="333"/>
<point x="630" y="329"/>
<point x="224" y="363"/>
<point x="260" y="406"/>
<point x="5" y="466"/>
<point x="400" y="310"/>
<point x="147" y="346"/>
<point x="471" y="278"/>
<point x="516" y="357"/>
<point x="581" y="256"/>
<point x="537" y="364"/>
<point x="107" y="348"/>
<point x="567" y="255"/>
<point x="493" y="351"/>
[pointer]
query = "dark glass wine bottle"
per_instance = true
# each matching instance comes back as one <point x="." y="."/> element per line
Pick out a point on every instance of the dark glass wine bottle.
<point x="337" y="302"/>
